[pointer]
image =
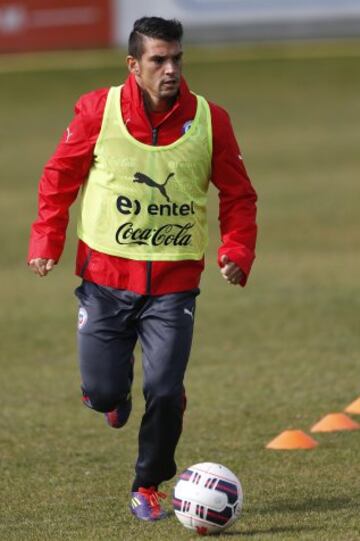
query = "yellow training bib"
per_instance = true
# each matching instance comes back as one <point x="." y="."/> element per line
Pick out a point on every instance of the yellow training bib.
<point x="147" y="202"/>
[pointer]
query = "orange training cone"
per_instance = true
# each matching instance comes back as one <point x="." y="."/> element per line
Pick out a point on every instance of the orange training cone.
<point x="292" y="439"/>
<point x="334" y="422"/>
<point x="354" y="407"/>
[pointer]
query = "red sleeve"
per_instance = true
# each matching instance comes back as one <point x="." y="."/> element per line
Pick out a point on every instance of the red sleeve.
<point x="63" y="175"/>
<point x="237" y="197"/>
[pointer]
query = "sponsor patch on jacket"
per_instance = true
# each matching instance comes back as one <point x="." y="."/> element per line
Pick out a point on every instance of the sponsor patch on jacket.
<point x="82" y="317"/>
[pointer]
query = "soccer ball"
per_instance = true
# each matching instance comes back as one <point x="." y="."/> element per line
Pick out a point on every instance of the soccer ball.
<point x="207" y="498"/>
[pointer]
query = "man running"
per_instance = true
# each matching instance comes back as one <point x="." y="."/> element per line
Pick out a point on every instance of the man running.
<point x="143" y="154"/>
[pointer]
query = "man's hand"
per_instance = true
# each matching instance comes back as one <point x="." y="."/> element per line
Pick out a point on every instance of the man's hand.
<point x="230" y="271"/>
<point x="41" y="266"/>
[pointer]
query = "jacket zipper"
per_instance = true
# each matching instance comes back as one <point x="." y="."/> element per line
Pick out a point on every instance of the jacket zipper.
<point x="154" y="140"/>
<point x="154" y="133"/>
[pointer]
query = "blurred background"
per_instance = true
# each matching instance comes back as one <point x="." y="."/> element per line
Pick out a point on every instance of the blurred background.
<point x="64" y="24"/>
<point x="279" y="354"/>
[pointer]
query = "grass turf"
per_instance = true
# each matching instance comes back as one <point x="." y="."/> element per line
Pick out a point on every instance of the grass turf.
<point x="279" y="354"/>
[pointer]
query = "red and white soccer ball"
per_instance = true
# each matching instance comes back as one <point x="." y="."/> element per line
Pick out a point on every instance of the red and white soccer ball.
<point x="207" y="498"/>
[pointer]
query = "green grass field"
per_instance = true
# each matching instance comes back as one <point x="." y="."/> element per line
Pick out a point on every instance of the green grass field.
<point x="279" y="354"/>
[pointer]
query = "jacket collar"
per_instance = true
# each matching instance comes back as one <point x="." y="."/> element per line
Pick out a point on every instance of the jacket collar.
<point x="133" y="106"/>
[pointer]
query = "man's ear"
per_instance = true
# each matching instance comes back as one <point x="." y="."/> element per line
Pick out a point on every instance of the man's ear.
<point x="132" y="64"/>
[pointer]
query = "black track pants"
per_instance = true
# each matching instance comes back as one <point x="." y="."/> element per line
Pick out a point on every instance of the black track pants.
<point x="110" y="322"/>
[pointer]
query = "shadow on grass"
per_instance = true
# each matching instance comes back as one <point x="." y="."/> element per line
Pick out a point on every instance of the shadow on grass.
<point x="273" y="530"/>
<point x="314" y="505"/>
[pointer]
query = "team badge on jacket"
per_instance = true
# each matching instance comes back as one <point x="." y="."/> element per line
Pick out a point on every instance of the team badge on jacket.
<point x="186" y="127"/>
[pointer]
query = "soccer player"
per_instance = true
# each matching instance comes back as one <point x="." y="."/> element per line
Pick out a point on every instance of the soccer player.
<point x="143" y="154"/>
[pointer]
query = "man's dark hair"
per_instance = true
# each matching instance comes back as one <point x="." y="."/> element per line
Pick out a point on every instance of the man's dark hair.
<point x="153" y="27"/>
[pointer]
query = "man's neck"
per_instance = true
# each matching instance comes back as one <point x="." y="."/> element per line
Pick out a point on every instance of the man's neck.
<point x="158" y="105"/>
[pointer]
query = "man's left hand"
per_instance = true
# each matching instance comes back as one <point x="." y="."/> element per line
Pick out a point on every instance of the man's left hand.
<point x="230" y="271"/>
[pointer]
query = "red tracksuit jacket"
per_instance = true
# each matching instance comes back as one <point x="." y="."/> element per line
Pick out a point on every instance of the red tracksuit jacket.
<point x="68" y="169"/>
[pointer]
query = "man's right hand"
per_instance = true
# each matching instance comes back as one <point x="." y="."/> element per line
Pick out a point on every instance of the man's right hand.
<point x="41" y="266"/>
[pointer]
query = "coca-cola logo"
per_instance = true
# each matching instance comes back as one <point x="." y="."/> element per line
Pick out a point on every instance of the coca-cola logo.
<point x="165" y="235"/>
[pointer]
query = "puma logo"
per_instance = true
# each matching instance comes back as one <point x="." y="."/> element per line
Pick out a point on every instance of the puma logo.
<point x="68" y="135"/>
<point x="144" y="179"/>
<point x="189" y="313"/>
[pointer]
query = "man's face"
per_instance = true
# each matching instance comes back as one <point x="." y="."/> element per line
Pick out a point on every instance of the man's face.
<point x="158" y="71"/>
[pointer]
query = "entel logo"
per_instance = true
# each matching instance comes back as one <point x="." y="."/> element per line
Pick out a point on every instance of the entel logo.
<point x="127" y="206"/>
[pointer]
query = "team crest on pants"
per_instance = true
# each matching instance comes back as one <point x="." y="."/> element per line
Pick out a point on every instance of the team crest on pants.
<point x="82" y="317"/>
